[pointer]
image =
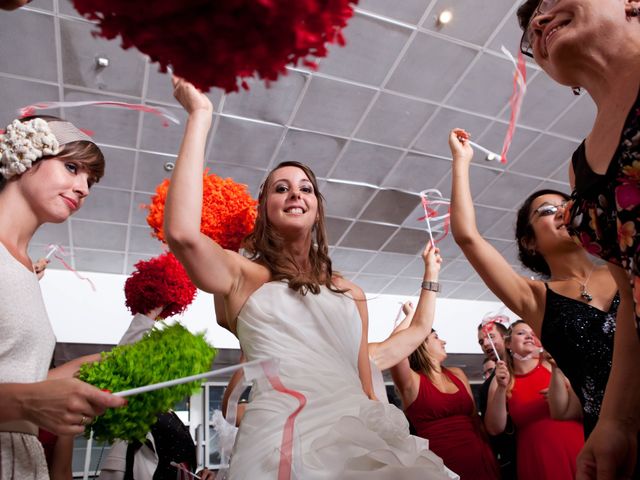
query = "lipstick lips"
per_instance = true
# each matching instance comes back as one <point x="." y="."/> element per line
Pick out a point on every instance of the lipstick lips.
<point x="73" y="204"/>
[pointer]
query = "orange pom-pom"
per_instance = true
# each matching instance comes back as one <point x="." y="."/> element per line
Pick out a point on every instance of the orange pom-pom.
<point x="228" y="211"/>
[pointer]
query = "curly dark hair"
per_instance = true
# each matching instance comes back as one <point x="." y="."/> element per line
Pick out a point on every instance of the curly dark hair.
<point x="525" y="11"/>
<point x="524" y="234"/>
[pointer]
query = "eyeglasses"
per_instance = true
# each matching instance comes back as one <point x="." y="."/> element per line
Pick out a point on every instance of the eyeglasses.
<point x="548" y="209"/>
<point x="526" y="42"/>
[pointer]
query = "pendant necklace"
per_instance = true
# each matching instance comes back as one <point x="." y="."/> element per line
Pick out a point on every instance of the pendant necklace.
<point x="587" y="297"/>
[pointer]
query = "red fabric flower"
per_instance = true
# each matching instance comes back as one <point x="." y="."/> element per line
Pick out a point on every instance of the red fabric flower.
<point x="159" y="281"/>
<point x="228" y="211"/>
<point x="219" y="43"/>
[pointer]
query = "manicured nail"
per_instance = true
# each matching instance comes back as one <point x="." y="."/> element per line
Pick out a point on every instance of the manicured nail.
<point x="106" y="390"/>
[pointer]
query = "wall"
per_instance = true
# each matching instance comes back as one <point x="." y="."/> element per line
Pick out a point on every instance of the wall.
<point x="80" y="315"/>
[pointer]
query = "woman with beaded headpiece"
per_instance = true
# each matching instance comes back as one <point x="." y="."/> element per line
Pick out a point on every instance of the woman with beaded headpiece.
<point x="47" y="167"/>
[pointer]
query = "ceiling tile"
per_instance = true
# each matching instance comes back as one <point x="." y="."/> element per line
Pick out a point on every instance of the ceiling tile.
<point x="544" y="156"/>
<point x="37" y="251"/>
<point x="66" y="8"/>
<point x="430" y="67"/>
<point x="416" y="173"/>
<point x="561" y="187"/>
<point x="99" y="235"/>
<point x="373" y="48"/>
<point x="465" y="25"/>
<point x="80" y="49"/>
<point x="349" y="260"/>
<point x="488" y="296"/>
<point x="335" y="228"/>
<point x="473" y="94"/>
<point x="544" y="102"/>
<point x="504" y="228"/>
<point x="458" y="270"/>
<point x="141" y="241"/>
<point x="26" y="45"/>
<point x="368" y="236"/>
<point x="394" y="120"/>
<point x="52" y="233"/>
<point x="111" y="126"/>
<point x="250" y="177"/>
<point x="448" y="247"/>
<point x="46" y="5"/>
<point x="315" y="150"/>
<point x="435" y="138"/>
<point x="106" y="205"/>
<point x="95" y="261"/>
<point x="403" y="286"/>
<point x="388" y="263"/>
<point x="151" y="172"/>
<point x="345" y="200"/>
<point x="119" y="166"/>
<point x="469" y="291"/>
<point x="577" y="122"/>
<point x="332" y="107"/>
<point x="363" y="162"/>
<point x="273" y="104"/>
<point x="20" y="93"/>
<point x="139" y="212"/>
<point x="390" y="206"/>
<point x="160" y="88"/>
<point x="241" y="142"/>
<point x="447" y="288"/>
<point x="157" y="137"/>
<point x="509" y="35"/>
<point x="371" y="283"/>
<point x="487" y="217"/>
<point x="510" y="252"/>
<point x="506" y="188"/>
<point x="415" y="269"/>
<point x="409" y="11"/>
<point x="407" y="240"/>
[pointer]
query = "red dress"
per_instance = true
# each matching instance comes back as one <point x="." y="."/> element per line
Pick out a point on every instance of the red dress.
<point x="450" y="424"/>
<point x="547" y="448"/>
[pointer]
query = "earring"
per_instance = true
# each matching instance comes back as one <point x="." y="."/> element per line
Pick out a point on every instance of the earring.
<point x="635" y="11"/>
<point x="576" y="90"/>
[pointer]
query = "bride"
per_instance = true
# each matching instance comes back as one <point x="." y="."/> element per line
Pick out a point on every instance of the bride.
<point x="318" y="417"/>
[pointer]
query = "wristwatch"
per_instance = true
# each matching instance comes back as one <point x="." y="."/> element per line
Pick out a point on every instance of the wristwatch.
<point x="431" y="286"/>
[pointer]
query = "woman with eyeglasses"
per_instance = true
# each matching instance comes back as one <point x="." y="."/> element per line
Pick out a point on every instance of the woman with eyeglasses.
<point x="571" y="309"/>
<point x="595" y="45"/>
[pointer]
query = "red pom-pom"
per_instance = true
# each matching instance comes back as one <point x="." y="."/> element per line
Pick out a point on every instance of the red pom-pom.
<point x="228" y="211"/>
<point x="156" y="282"/>
<point x="218" y="43"/>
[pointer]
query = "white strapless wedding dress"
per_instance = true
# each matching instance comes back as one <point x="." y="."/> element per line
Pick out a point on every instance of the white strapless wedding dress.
<point x="335" y="432"/>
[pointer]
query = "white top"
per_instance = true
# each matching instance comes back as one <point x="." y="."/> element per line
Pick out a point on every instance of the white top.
<point x="338" y="433"/>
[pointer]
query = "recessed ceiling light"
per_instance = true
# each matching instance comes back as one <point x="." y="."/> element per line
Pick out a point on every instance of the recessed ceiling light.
<point x="444" y="18"/>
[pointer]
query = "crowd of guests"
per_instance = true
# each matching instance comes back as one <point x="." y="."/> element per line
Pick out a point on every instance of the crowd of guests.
<point x="562" y="398"/>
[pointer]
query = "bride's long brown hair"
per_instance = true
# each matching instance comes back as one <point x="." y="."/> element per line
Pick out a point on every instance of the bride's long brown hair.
<point x="266" y="245"/>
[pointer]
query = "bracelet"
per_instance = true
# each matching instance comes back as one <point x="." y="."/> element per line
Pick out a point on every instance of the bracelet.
<point x="431" y="286"/>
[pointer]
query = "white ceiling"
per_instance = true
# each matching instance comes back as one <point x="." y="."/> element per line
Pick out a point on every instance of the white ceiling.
<point x="376" y="112"/>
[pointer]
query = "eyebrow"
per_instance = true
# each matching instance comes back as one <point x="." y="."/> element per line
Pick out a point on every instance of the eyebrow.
<point x="286" y="180"/>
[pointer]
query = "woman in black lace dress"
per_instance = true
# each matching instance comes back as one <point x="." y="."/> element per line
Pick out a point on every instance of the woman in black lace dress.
<point x="595" y="45"/>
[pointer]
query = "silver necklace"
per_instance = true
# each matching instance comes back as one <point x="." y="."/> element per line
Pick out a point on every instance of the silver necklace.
<point x="583" y="285"/>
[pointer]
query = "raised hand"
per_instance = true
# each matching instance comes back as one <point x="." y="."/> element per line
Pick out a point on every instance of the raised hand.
<point x="502" y="374"/>
<point x="432" y="262"/>
<point x="192" y="99"/>
<point x="460" y="148"/>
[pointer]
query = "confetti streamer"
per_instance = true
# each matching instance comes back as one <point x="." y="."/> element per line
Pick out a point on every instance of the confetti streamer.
<point x="432" y="216"/>
<point x="519" y="89"/>
<point x="163" y="113"/>
<point x="52" y="249"/>
<point x="488" y="322"/>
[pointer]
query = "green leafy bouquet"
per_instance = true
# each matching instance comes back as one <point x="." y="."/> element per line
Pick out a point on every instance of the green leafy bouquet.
<point x="162" y="354"/>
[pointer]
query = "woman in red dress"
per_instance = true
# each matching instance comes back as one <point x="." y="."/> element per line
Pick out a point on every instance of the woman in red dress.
<point x="547" y="448"/>
<point x="439" y="404"/>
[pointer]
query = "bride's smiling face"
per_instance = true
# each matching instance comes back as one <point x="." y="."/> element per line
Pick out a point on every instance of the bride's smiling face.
<point x="292" y="204"/>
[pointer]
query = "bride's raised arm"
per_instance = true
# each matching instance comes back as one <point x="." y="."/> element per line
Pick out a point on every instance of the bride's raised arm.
<point x="210" y="267"/>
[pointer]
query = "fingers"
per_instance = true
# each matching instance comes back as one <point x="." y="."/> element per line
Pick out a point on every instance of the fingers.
<point x="460" y="134"/>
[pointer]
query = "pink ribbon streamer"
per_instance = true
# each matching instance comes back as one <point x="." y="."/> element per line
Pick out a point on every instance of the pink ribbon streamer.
<point x="487" y="325"/>
<point x="432" y="213"/>
<point x="286" y="447"/>
<point x="519" y="89"/>
<point x="163" y="113"/>
<point x="52" y="251"/>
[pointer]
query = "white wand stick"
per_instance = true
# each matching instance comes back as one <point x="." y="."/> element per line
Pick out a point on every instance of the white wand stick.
<point x="180" y="381"/>
<point x="490" y="155"/>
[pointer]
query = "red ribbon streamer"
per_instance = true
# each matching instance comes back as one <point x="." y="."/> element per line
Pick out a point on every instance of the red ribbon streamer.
<point x="430" y="213"/>
<point x="69" y="267"/>
<point x="286" y="447"/>
<point x="519" y="80"/>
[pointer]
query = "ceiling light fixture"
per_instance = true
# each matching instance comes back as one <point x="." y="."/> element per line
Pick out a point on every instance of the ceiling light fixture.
<point x="444" y="18"/>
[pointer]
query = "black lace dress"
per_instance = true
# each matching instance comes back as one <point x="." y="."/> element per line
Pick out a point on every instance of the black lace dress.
<point x="580" y="339"/>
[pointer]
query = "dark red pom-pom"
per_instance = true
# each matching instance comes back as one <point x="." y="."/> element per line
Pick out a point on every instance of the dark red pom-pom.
<point x="219" y="43"/>
<point x="156" y="282"/>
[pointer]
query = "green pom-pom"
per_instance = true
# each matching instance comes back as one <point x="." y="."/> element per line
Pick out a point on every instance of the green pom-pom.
<point x="162" y="354"/>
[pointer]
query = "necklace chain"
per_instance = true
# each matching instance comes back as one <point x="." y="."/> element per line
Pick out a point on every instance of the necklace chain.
<point x="584" y="293"/>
